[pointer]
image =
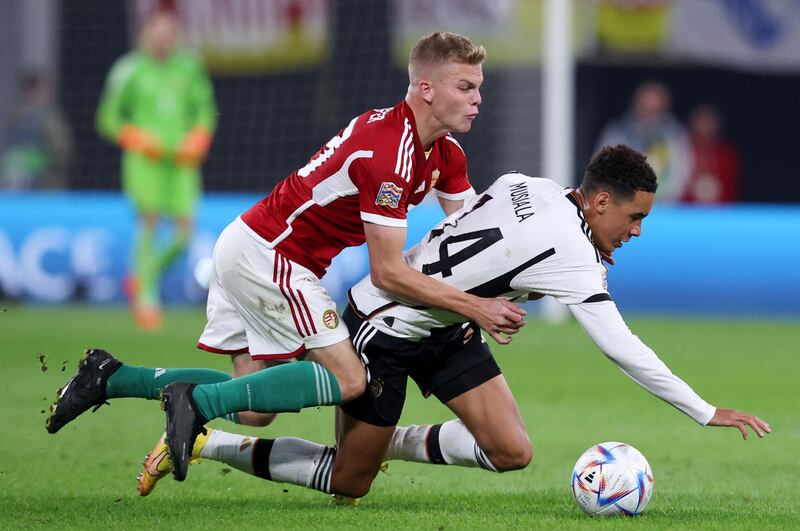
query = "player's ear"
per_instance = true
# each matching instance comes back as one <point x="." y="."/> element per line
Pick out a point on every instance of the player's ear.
<point x="601" y="202"/>
<point x="425" y="88"/>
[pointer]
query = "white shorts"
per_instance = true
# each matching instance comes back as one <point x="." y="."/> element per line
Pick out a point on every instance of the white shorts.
<point x="262" y="303"/>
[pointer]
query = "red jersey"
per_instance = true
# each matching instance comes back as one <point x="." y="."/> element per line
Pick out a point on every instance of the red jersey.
<point x="715" y="174"/>
<point x="374" y="170"/>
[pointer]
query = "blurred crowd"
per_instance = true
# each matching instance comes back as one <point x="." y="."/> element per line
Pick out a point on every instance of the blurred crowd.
<point x="694" y="161"/>
<point x="36" y="144"/>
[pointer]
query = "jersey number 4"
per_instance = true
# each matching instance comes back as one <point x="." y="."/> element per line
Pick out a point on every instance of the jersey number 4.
<point x="483" y="238"/>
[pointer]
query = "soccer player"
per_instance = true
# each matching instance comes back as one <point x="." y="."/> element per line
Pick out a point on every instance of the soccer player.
<point x="158" y="106"/>
<point x="523" y="237"/>
<point x="266" y="302"/>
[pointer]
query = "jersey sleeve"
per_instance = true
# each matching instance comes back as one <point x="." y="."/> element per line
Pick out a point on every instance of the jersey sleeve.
<point x="574" y="285"/>
<point x="382" y="195"/>
<point x="453" y="184"/>
<point x="202" y="95"/>
<point x="608" y="330"/>
<point x="110" y="113"/>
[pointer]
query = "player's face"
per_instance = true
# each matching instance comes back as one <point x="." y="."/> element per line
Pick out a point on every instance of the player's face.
<point x="160" y="35"/>
<point x="617" y="221"/>
<point x="456" y="95"/>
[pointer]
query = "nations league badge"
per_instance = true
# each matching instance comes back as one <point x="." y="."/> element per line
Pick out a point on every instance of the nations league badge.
<point x="330" y="318"/>
<point x="389" y="195"/>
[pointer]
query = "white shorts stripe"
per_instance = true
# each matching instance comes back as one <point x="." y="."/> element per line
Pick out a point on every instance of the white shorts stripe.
<point x="359" y="336"/>
<point x="365" y="333"/>
<point x="307" y="311"/>
<point x="297" y="304"/>
<point x="282" y="280"/>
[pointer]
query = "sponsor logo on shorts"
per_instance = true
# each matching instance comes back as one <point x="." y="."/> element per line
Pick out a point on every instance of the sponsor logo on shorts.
<point x="376" y="387"/>
<point x="330" y="319"/>
<point x="389" y="195"/>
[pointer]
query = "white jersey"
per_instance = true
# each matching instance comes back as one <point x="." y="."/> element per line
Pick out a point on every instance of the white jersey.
<point x="524" y="235"/>
<point x="521" y="235"/>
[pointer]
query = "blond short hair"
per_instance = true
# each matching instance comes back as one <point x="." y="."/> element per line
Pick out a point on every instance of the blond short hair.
<point x="443" y="47"/>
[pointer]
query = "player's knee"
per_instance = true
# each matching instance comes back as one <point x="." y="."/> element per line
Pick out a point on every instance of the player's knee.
<point x="354" y="485"/>
<point x="259" y="420"/>
<point x="354" y="490"/>
<point x="352" y="382"/>
<point x="514" y="456"/>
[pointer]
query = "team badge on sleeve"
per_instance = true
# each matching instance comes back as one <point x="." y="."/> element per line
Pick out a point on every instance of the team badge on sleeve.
<point x="389" y="195"/>
<point x="330" y="318"/>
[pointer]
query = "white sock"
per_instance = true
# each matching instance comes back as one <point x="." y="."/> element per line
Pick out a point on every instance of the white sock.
<point x="230" y="448"/>
<point x="301" y="462"/>
<point x="408" y="444"/>
<point x="459" y="447"/>
<point x="285" y="460"/>
<point x="450" y="443"/>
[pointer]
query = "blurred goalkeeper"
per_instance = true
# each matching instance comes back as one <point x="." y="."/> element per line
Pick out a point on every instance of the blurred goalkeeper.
<point x="158" y="106"/>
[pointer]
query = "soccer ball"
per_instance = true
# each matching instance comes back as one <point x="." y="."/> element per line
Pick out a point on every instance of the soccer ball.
<point x="612" y="478"/>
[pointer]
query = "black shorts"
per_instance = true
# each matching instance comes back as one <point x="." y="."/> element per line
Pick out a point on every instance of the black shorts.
<point x="445" y="366"/>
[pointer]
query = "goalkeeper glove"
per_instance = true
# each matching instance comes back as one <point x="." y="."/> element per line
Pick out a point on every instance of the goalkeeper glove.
<point x="132" y="138"/>
<point x="194" y="147"/>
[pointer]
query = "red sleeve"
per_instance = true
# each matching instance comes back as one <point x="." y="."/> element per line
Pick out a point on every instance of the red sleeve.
<point x="382" y="195"/>
<point x="453" y="183"/>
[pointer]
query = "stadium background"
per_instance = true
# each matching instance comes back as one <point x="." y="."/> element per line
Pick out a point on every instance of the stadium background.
<point x="279" y="101"/>
<point x="725" y="275"/>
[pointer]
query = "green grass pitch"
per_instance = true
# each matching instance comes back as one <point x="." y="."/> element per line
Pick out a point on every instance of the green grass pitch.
<point x="569" y="395"/>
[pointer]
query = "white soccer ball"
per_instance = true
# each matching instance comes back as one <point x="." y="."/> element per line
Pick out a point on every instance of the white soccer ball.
<point x="612" y="478"/>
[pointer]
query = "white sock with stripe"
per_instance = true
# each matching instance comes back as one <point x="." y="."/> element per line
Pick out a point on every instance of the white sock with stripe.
<point x="284" y="460"/>
<point x="450" y="443"/>
<point x="301" y="462"/>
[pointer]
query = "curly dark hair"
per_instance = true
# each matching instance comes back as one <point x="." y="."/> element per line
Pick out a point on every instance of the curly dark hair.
<point x="619" y="170"/>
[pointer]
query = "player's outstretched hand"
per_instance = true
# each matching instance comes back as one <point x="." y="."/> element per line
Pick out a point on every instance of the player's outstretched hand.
<point x="739" y="419"/>
<point x="498" y="316"/>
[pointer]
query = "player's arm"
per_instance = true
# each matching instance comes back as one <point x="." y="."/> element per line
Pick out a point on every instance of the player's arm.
<point x="450" y="205"/>
<point x="112" y="119"/>
<point x="197" y="141"/>
<point x="604" y="324"/>
<point x="388" y="271"/>
<point x="110" y="116"/>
